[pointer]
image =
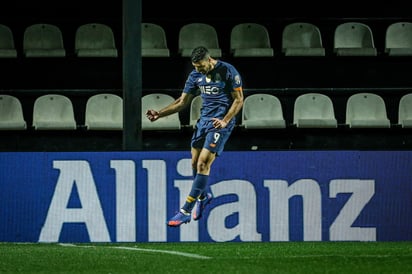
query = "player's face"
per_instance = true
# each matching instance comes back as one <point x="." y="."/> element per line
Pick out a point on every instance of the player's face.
<point x="203" y="66"/>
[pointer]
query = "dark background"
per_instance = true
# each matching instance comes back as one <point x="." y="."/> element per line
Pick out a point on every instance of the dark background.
<point x="286" y="77"/>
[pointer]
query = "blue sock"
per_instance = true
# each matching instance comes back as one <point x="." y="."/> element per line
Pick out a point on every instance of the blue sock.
<point x="204" y="193"/>
<point x="199" y="185"/>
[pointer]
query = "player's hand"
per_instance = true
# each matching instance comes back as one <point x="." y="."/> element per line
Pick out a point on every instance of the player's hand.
<point x="217" y="123"/>
<point x="152" y="115"/>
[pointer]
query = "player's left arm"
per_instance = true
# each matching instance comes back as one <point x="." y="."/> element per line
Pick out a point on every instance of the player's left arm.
<point x="237" y="95"/>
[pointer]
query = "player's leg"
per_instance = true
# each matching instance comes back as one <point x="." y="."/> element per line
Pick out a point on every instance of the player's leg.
<point x="195" y="155"/>
<point x="183" y="216"/>
<point x="214" y="143"/>
<point x="204" y="163"/>
<point x="204" y="159"/>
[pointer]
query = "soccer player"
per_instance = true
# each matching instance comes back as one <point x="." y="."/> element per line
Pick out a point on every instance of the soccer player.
<point x="220" y="85"/>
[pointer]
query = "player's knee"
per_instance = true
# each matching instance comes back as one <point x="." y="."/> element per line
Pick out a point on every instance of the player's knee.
<point x="202" y="167"/>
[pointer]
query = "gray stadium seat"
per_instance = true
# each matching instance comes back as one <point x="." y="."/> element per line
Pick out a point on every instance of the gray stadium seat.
<point x="43" y="40"/>
<point x="95" y="40"/>
<point x="250" y="40"/>
<point x="7" y="47"/>
<point x="193" y="35"/>
<point x="366" y="110"/>
<point x="154" y="42"/>
<point x="354" y="39"/>
<point x="302" y="39"/>
<point x="398" y="39"/>
<point x="104" y="112"/>
<point x="314" y="110"/>
<point x="53" y="112"/>
<point x="158" y="101"/>
<point x="405" y="111"/>
<point x="11" y="113"/>
<point x="195" y="107"/>
<point x="262" y="110"/>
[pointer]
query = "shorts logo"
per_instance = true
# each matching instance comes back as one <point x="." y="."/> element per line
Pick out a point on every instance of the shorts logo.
<point x="212" y="145"/>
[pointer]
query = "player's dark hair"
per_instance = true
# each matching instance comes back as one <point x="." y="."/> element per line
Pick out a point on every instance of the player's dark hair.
<point x="199" y="53"/>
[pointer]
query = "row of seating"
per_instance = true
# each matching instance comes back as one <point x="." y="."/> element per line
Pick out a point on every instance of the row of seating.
<point x="311" y="110"/>
<point x="260" y="111"/>
<point x="246" y="40"/>
<point x="46" y="40"/>
<point x="56" y="112"/>
<point x="298" y="39"/>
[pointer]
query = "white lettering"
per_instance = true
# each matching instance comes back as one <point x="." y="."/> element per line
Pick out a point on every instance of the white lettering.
<point x="91" y="213"/>
<point x="246" y="208"/>
<point x="280" y="194"/>
<point x="242" y="213"/>
<point x="190" y="231"/>
<point x="362" y="191"/>
<point x="125" y="200"/>
<point x="156" y="197"/>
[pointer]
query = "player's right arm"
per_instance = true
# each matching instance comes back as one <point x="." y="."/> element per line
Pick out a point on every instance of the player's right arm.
<point x="179" y="104"/>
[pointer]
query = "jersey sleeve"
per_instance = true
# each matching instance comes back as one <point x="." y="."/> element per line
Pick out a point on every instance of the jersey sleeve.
<point x="190" y="84"/>
<point x="234" y="77"/>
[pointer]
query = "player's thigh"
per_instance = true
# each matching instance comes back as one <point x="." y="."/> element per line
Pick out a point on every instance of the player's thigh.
<point x="195" y="155"/>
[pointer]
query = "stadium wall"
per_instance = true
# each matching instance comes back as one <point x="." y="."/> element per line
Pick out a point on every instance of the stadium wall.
<point x="260" y="196"/>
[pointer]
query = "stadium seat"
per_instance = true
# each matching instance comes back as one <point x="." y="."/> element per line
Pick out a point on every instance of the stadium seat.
<point x="398" y="39"/>
<point x="354" y="39"/>
<point x="43" y="40"/>
<point x="302" y="39"/>
<point x="11" y="113"/>
<point x="158" y="101"/>
<point x="198" y="34"/>
<point x="314" y="110"/>
<point x="405" y="111"/>
<point x="250" y="40"/>
<point x="95" y="40"/>
<point x="154" y="42"/>
<point x="104" y="112"/>
<point x="195" y="107"/>
<point x="7" y="47"/>
<point x="262" y="110"/>
<point x="366" y="110"/>
<point x="53" y="112"/>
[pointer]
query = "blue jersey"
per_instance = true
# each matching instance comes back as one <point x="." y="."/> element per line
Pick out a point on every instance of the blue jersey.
<point x="215" y="89"/>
